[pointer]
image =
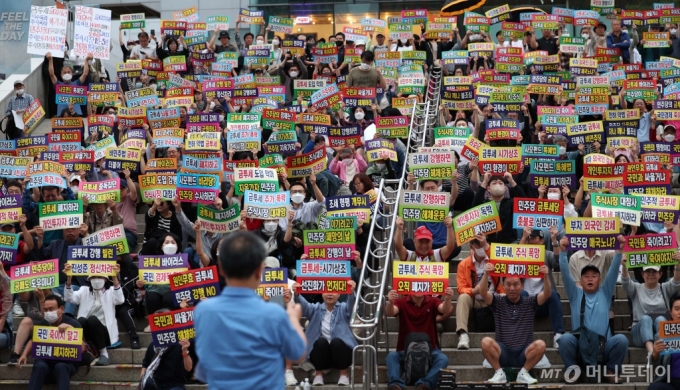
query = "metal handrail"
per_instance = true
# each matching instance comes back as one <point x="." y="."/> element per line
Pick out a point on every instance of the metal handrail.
<point x="370" y="291"/>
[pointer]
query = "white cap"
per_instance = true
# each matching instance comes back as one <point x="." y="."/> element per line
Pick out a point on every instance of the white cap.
<point x="74" y="177"/>
<point x="654" y="267"/>
<point x="357" y="43"/>
<point x="271" y="262"/>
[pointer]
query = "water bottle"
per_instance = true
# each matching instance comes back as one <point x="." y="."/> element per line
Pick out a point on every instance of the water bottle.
<point x="306" y="385"/>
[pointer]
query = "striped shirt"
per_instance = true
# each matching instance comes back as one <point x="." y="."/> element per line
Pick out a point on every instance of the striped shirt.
<point x="514" y="321"/>
<point x="17" y="102"/>
<point x="164" y="224"/>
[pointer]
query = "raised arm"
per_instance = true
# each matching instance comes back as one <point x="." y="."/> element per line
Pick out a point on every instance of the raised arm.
<point x="50" y="68"/>
<point x="399" y="240"/>
<point x="547" y="288"/>
<point x="484" y="285"/>
<point x="569" y="284"/>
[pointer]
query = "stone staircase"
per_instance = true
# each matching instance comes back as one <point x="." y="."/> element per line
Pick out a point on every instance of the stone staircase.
<point x="125" y="367"/>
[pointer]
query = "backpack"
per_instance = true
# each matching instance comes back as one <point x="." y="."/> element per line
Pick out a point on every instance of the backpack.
<point x="417" y="360"/>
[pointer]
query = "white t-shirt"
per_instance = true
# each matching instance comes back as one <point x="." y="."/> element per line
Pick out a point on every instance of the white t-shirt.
<point x="437" y="256"/>
<point x="479" y="269"/>
<point x="326" y="325"/>
<point x="144" y="52"/>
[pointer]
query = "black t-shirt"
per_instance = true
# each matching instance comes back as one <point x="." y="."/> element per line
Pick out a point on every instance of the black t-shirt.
<point x="548" y="44"/>
<point x="170" y="371"/>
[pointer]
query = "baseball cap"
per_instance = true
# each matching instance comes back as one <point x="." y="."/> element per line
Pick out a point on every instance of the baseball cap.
<point x="422" y="233"/>
<point x="18" y="82"/>
<point x="123" y="183"/>
<point x="224" y="34"/>
<point x="380" y="35"/>
<point x="654" y="267"/>
<point x="4" y="225"/>
<point x="589" y="267"/>
<point x="359" y="43"/>
<point x="600" y="24"/>
<point x="537" y="233"/>
<point x="271" y="262"/>
<point x="74" y="177"/>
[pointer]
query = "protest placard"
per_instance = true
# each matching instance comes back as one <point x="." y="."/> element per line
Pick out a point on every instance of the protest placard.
<point x="380" y="149"/>
<point x="411" y="277"/>
<point x="194" y="285"/>
<point x="273" y="283"/>
<point x="14" y="167"/>
<point x="650" y="250"/>
<point x="219" y="221"/>
<point x="39" y="274"/>
<point x="9" y="245"/>
<point x="647" y="182"/>
<point x="158" y="186"/>
<point x="329" y="244"/>
<point x="424" y="206"/>
<point x="517" y="261"/>
<point x="92" y="32"/>
<point x="539" y="214"/>
<point x="155" y="269"/>
<point x="255" y="179"/>
<point x="199" y="188"/>
<point x="482" y="219"/>
<point x="10" y="209"/>
<point x="324" y="276"/>
<point x="659" y="208"/>
<point x="99" y="191"/>
<point x="48" y="26"/>
<point x="625" y="207"/>
<point x="556" y="173"/>
<point x="53" y="343"/>
<point x="593" y="233"/>
<point x="60" y="215"/>
<point x="170" y="327"/>
<point x="263" y="205"/>
<point x="111" y="236"/>
<point x="349" y="205"/>
<point x="432" y="165"/>
<point x="499" y="160"/>
<point x="306" y="164"/>
<point x="92" y="260"/>
<point x="33" y="116"/>
<point x="132" y="21"/>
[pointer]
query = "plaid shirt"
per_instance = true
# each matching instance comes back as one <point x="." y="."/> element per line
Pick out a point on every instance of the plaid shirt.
<point x="18" y="103"/>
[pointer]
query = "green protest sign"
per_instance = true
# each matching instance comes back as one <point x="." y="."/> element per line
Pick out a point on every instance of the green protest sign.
<point x="627" y="207"/>
<point x="424" y="206"/>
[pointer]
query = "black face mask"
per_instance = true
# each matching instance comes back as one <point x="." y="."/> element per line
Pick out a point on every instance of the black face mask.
<point x="339" y="43"/>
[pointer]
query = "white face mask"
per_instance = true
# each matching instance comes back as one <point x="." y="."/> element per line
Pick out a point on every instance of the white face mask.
<point x="51" y="317"/>
<point x="480" y="252"/>
<point x="293" y="74"/>
<point x="364" y="66"/>
<point x="139" y="85"/>
<point x="259" y="41"/>
<point x="270" y="226"/>
<point x="97" y="283"/>
<point x="348" y="161"/>
<point x="673" y="31"/>
<point x="359" y="115"/>
<point x="554" y="195"/>
<point x="585" y="35"/>
<point x="497" y="190"/>
<point x="393" y="47"/>
<point x="275" y="42"/>
<point x="170" y="249"/>
<point x="212" y="105"/>
<point x="669" y="137"/>
<point x="20" y="91"/>
<point x="67" y="77"/>
<point x="297" y="198"/>
<point x="380" y="166"/>
<point x="563" y="150"/>
<point x="74" y="189"/>
<point x="221" y="118"/>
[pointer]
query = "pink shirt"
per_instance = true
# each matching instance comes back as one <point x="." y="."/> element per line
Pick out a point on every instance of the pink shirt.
<point x="128" y="210"/>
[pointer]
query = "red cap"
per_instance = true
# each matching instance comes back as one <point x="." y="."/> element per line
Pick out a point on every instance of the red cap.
<point x="422" y="233"/>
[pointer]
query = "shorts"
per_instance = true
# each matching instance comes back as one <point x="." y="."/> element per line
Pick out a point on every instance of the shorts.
<point x="512" y="357"/>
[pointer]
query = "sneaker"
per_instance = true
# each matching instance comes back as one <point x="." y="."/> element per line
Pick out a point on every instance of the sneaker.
<point x="290" y="378"/>
<point x="318" y="380"/>
<point x="147" y="329"/>
<point x="103" y="361"/>
<point x="543" y="363"/>
<point x="499" y="377"/>
<point x="556" y="339"/>
<point x="13" y="360"/>
<point x="115" y="345"/>
<point x="486" y="364"/>
<point x="525" y="377"/>
<point x="463" y="341"/>
<point x="134" y="344"/>
<point x="343" y="381"/>
<point x="17" y="310"/>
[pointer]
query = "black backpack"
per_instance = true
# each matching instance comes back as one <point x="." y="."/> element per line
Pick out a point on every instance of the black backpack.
<point x="417" y="360"/>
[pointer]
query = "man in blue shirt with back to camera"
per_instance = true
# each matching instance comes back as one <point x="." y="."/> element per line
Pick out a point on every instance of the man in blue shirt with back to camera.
<point x="241" y="340"/>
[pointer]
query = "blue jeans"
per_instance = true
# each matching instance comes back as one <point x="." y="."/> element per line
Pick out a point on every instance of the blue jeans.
<point x="645" y="329"/>
<point x="194" y="261"/>
<point x="553" y="308"/>
<point x="132" y="239"/>
<point x="614" y="351"/>
<point x="395" y="359"/>
<point x="61" y="373"/>
<point x="69" y="308"/>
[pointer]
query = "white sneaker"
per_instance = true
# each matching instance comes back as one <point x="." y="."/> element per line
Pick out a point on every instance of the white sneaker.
<point x="499" y="377"/>
<point x="463" y="341"/>
<point x="486" y="364"/>
<point x="147" y="329"/>
<point x="17" y="310"/>
<point x="343" y="381"/>
<point x="556" y="339"/>
<point x="524" y="377"/>
<point x="543" y="363"/>
<point x="318" y="381"/>
<point x="290" y="378"/>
